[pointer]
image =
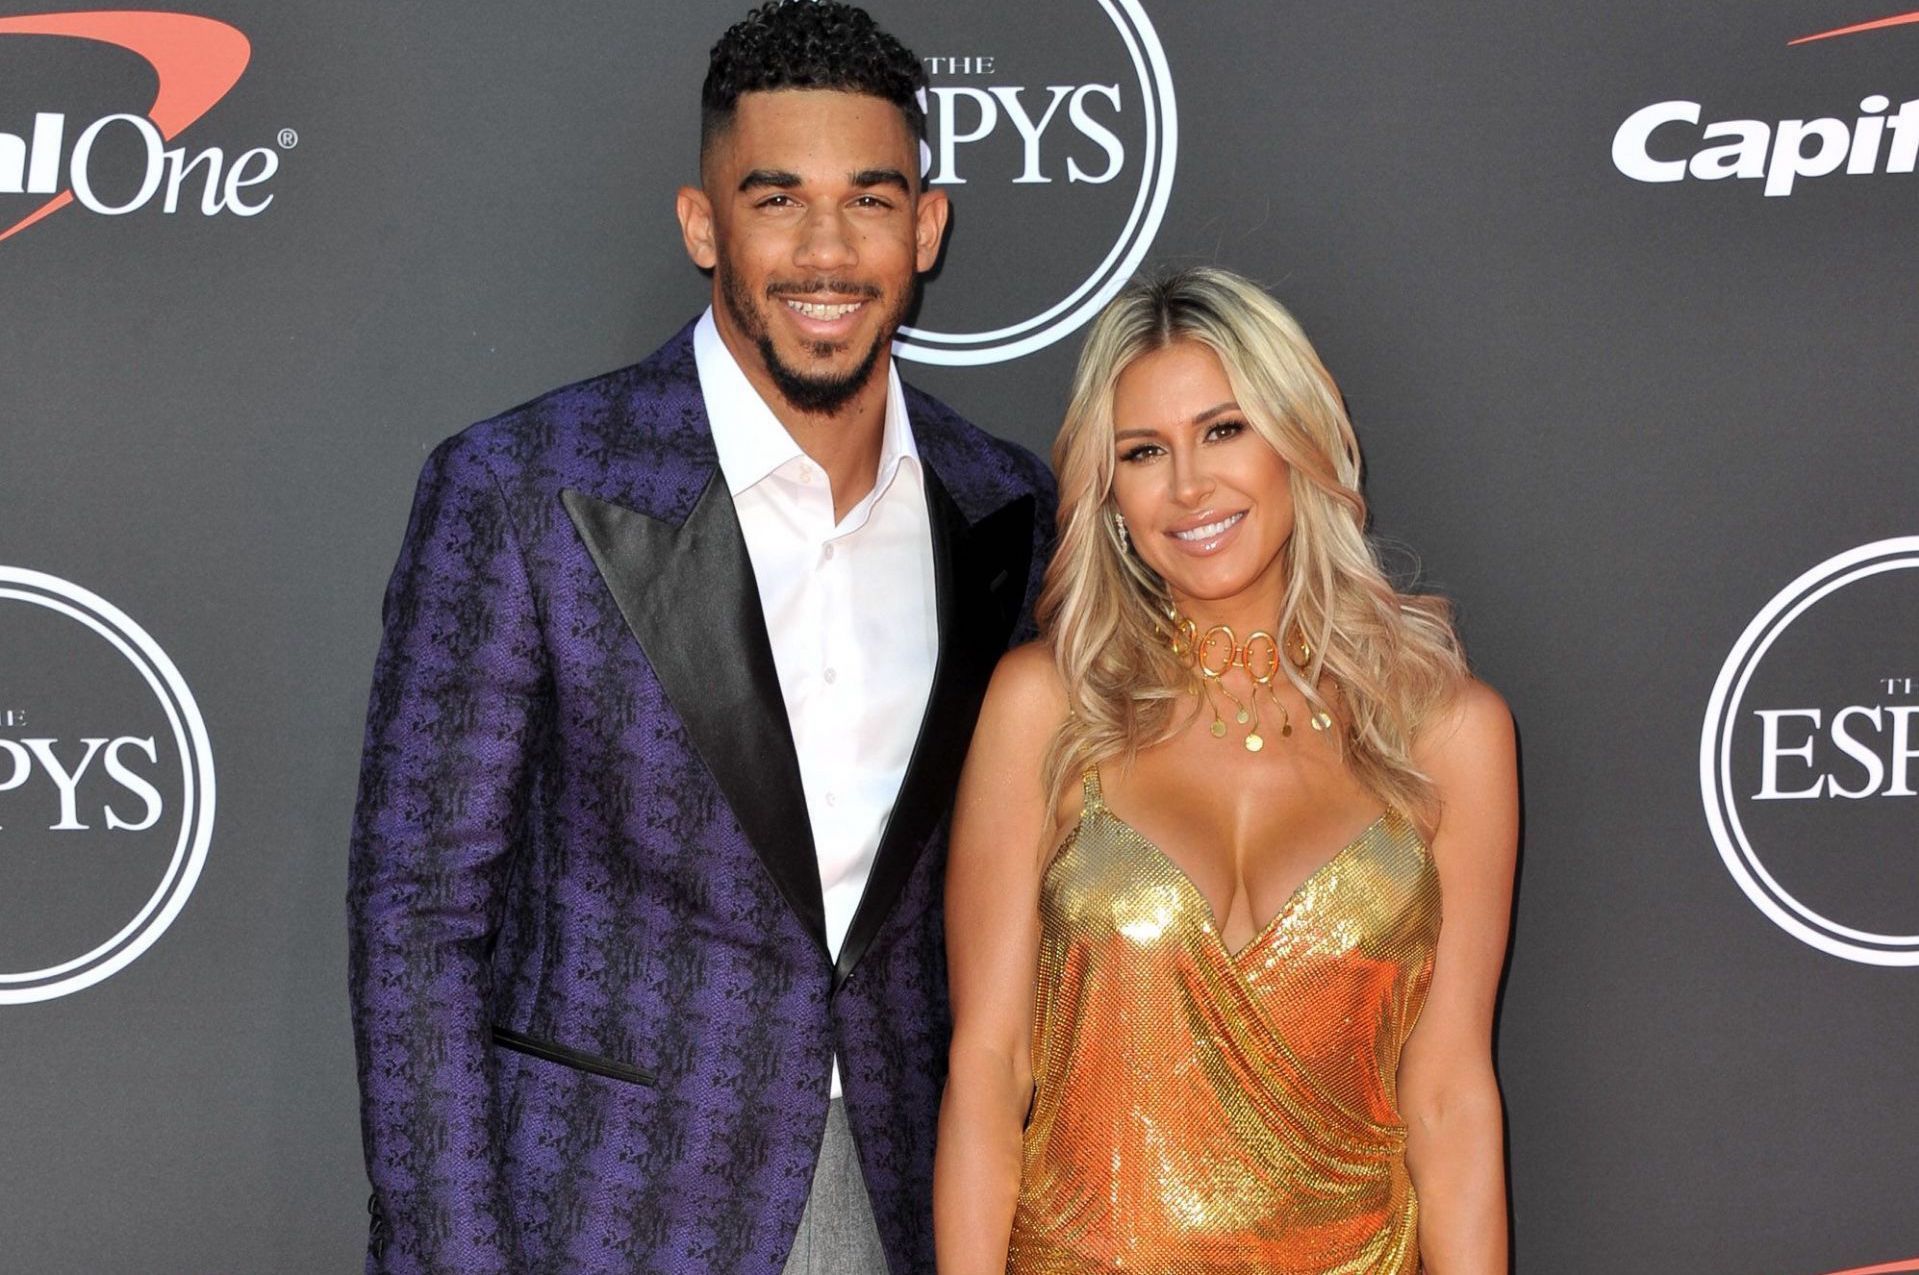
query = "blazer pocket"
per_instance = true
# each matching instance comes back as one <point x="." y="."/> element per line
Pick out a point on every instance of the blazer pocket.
<point x="578" y="1059"/>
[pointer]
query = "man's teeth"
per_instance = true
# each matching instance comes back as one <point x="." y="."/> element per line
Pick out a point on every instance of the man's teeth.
<point x="1210" y="530"/>
<point x="812" y="311"/>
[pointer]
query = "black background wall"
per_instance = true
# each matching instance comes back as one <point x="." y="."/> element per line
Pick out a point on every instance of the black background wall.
<point x="1623" y="421"/>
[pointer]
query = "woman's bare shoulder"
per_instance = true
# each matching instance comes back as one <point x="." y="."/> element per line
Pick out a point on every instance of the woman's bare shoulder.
<point x="1002" y="802"/>
<point x="1024" y="708"/>
<point x="1468" y="738"/>
<point x="1470" y="753"/>
<point x="1473" y="720"/>
<point x="1026" y="685"/>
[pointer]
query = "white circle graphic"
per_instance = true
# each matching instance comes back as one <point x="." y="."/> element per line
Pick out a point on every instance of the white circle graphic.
<point x="139" y="649"/>
<point x="973" y="349"/>
<point x="1715" y="757"/>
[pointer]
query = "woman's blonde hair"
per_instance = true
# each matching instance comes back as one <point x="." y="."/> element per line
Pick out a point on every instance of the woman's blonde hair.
<point x="1392" y="656"/>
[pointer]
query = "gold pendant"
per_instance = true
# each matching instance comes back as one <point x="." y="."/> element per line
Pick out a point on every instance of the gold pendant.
<point x="1260" y="657"/>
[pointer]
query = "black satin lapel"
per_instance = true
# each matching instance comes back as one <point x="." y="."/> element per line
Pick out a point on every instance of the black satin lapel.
<point x="979" y="579"/>
<point x="689" y="596"/>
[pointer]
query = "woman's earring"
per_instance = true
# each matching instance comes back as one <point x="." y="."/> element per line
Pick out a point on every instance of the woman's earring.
<point x="1119" y="529"/>
<point x="1302" y="649"/>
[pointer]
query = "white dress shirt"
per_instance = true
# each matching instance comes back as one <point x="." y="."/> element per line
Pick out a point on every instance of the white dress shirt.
<point x="850" y="613"/>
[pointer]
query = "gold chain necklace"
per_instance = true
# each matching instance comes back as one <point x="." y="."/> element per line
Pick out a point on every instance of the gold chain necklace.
<point x="1259" y="656"/>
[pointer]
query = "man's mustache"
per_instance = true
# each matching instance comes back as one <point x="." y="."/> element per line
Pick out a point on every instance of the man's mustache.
<point x="826" y="287"/>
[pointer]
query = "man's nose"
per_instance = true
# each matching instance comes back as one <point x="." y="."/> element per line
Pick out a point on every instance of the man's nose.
<point x="826" y="242"/>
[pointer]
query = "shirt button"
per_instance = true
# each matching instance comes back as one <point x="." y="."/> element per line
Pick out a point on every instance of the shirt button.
<point x="806" y="473"/>
<point x="831" y="800"/>
<point x="832" y="676"/>
<point x="829" y="553"/>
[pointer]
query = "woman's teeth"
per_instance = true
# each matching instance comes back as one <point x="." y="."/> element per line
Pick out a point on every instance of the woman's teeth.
<point x="1210" y="530"/>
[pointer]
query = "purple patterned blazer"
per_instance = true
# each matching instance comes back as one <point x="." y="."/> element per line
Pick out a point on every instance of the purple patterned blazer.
<point x="592" y="1000"/>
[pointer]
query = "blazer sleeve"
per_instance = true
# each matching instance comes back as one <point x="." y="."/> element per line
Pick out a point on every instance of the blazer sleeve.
<point x="459" y="690"/>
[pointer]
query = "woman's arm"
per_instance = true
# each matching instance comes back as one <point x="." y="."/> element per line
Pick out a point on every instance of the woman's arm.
<point x="1001" y="824"/>
<point x="1448" y="1093"/>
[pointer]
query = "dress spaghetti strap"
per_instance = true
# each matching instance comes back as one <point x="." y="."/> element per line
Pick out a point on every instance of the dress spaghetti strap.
<point x="1089" y="789"/>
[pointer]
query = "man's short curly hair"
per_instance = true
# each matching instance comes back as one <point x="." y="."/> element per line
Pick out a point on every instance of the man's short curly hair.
<point x="808" y="44"/>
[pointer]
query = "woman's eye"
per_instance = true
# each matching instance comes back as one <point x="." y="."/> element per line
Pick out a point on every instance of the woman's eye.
<point x="1142" y="451"/>
<point x="1223" y="430"/>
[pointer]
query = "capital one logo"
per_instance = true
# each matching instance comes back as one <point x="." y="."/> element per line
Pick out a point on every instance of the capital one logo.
<point x="106" y="788"/>
<point x="120" y="162"/>
<point x="1809" y="758"/>
<point x="1055" y="130"/>
<point x="1667" y="141"/>
<point x="1883" y="1268"/>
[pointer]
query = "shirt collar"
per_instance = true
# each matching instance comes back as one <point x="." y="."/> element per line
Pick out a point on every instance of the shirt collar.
<point x="751" y="442"/>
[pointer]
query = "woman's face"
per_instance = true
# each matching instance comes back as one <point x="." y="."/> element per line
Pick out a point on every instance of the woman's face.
<point x="1207" y="501"/>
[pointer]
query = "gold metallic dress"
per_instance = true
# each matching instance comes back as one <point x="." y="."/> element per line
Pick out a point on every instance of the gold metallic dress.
<point x="1202" y="1111"/>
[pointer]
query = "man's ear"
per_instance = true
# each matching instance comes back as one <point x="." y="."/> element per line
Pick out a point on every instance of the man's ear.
<point x="929" y="230"/>
<point x="695" y="212"/>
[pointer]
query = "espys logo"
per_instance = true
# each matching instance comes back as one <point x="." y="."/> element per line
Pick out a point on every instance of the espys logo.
<point x="106" y="788"/>
<point x="119" y="163"/>
<point x="1662" y="142"/>
<point x="1809" y="759"/>
<point x="1058" y="125"/>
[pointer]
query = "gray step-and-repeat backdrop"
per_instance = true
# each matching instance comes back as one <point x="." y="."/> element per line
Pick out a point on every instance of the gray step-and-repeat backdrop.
<point x="1623" y="300"/>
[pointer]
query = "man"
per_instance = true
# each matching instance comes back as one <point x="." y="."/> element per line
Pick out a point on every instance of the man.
<point x="679" y="667"/>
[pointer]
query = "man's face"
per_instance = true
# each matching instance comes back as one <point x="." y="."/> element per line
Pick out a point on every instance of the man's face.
<point x="812" y="219"/>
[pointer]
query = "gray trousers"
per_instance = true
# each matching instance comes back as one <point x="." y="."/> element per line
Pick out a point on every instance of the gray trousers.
<point x="837" y="1233"/>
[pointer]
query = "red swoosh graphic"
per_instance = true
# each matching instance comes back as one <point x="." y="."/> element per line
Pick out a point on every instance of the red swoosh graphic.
<point x="1878" y="25"/>
<point x="196" y="60"/>
<point x="1890" y="1268"/>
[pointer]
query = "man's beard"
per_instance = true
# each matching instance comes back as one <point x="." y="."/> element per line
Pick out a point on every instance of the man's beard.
<point x="821" y="395"/>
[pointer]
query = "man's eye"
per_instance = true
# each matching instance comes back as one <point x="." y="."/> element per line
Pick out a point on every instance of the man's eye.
<point x="776" y="201"/>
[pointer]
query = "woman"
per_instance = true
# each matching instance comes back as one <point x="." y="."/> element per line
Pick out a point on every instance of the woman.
<point x="1206" y="1015"/>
